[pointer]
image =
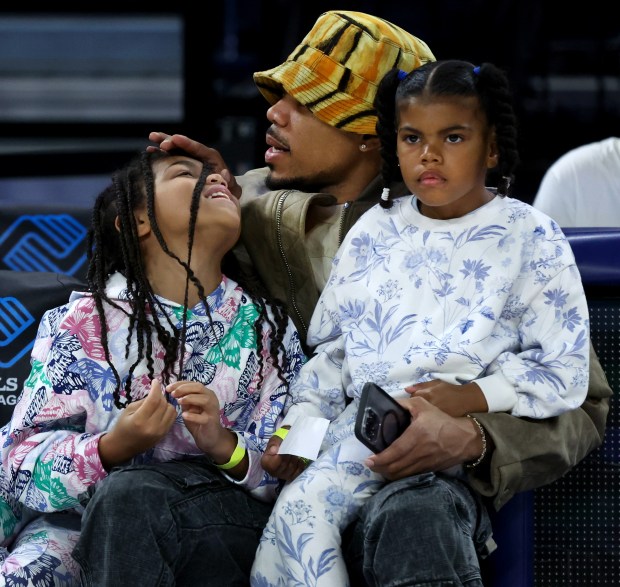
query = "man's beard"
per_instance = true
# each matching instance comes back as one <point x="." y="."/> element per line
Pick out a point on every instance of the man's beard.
<point x="302" y="184"/>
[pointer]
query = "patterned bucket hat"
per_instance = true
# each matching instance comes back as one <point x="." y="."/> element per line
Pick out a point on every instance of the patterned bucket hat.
<point x="335" y="70"/>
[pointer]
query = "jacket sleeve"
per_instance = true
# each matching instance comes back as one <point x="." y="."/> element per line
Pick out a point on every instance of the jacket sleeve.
<point x="531" y="453"/>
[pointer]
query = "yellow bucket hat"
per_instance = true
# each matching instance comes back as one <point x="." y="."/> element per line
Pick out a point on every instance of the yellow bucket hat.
<point x="335" y="70"/>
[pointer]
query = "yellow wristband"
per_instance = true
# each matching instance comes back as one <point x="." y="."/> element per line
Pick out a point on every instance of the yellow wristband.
<point x="281" y="433"/>
<point x="235" y="458"/>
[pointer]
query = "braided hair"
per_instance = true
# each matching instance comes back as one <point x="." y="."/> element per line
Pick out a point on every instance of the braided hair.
<point x="449" y="78"/>
<point x="111" y="249"/>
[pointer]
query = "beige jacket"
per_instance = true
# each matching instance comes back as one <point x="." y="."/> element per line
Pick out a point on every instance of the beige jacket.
<point x="527" y="453"/>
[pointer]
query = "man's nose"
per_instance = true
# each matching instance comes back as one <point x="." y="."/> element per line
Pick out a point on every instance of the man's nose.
<point x="278" y="114"/>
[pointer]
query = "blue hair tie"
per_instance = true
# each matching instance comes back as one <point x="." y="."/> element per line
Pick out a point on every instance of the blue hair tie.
<point x="402" y="74"/>
<point x="477" y="70"/>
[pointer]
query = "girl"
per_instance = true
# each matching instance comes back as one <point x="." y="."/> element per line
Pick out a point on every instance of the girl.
<point x="456" y="294"/>
<point x="166" y="356"/>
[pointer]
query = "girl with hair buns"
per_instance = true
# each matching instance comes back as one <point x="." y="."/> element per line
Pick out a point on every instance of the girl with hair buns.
<point x="457" y="296"/>
<point x="169" y="356"/>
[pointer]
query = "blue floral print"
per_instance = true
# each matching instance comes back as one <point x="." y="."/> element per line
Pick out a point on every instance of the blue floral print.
<point x="494" y="296"/>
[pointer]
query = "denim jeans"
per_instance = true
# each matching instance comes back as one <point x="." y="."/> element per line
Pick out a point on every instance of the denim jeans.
<point x="426" y="530"/>
<point x="184" y="524"/>
<point x="177" y="523"/>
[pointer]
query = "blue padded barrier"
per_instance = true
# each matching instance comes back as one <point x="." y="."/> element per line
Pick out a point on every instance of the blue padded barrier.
<point x="51" y="240"/>
<point x="511" y="565"/>
<point x="568" y="532"/>
<point x="597" y="252"/>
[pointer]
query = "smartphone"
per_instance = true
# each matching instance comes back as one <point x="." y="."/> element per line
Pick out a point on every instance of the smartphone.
<point x="380" y="419"/>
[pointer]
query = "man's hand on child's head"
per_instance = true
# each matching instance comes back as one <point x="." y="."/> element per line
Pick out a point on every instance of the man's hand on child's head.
<point x="208" y="155"/>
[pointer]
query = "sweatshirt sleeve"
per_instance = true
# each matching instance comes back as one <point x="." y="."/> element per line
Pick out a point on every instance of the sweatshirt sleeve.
<point x="266" y="417"/>
<point x="550" y="376"/>
<point x="319" y="390"/>
<point x="48" y="453"/>
<point x="531" y="453"/>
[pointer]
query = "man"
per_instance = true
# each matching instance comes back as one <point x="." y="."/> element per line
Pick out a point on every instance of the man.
<point x="566" y="190"/>
<point x="322" y="173"/>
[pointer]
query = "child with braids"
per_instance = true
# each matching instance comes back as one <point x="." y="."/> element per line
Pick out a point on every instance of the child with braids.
<point x="169" y="356"/>
<point x="457" y="295"/>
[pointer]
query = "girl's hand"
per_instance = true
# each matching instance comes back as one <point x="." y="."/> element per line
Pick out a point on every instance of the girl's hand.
<point x="201" y="413"/>
<point x="140" y="426"/>
<point x="456" y="400"/>
<point x="282" y="466"/>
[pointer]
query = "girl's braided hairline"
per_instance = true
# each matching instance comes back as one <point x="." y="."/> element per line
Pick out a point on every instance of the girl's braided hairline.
<point x="485" y="81"/>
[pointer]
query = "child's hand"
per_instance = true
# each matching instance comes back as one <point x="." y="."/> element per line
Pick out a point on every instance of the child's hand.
<point x="201" y="413"/>
<point x="141" y="425"/>
<point x="282" y="466"/>
<point x="456" y="400"/>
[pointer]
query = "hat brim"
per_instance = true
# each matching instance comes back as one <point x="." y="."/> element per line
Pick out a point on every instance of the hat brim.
<point x="319" y="94"/>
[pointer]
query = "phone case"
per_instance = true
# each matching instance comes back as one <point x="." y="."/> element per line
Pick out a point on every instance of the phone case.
<point x="380" y="419"/>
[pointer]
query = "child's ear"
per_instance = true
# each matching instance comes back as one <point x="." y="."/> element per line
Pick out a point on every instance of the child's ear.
<point x="142" y="223"/>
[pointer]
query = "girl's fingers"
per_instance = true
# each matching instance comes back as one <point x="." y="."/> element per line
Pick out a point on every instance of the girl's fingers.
<point x="153" y="400"/>
<point x="182" y="388"/>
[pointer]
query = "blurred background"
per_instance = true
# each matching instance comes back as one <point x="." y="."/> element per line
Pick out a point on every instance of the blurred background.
<point x="80" y="90"/>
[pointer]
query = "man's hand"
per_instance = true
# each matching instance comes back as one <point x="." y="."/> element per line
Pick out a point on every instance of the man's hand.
<point x="140" y="426"/>
<point x="283" y="466"/>
<point x="207" y="155"/>
<point x="433" y="441"/>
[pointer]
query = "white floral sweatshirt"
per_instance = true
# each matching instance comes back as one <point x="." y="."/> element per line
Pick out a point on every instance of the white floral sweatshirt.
<point x="494" y="296"/>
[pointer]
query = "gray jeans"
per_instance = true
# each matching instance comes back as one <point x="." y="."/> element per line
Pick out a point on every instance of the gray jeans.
<point x="177" y="523"/>
<point x="426" y="530"/>
<point x="184" y="524"/>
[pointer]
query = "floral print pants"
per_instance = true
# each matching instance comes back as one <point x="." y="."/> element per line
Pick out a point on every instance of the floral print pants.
<point x="301" y="543"/>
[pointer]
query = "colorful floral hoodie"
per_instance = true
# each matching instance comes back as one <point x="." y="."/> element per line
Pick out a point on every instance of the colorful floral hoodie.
<point x="50" y="447"/>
